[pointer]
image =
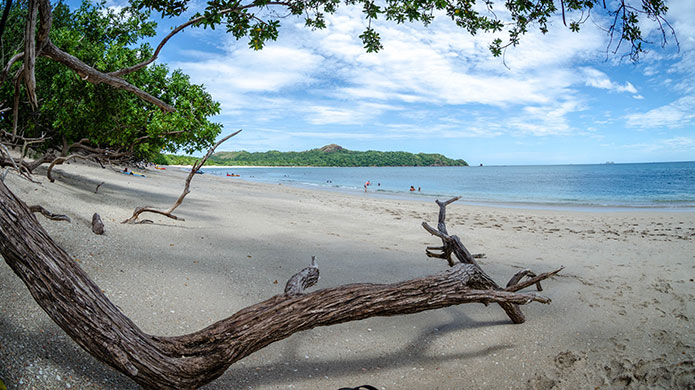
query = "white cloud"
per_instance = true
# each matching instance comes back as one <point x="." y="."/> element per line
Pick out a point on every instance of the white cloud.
<point x="597" y="79"/>
<point x="679" y="113"/>
<point x="230" y="78"/>
<point x="673" y="145"/>
<point x="359" y="114"/>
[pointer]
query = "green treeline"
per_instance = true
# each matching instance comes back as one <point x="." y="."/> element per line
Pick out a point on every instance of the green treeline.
<point x="327" y="156"/>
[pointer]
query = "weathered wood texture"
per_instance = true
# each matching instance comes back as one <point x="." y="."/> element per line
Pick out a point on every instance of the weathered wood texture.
<point x="97" y="224"/>
<point x="78" y="306"/>
<point x="303" y="279"/>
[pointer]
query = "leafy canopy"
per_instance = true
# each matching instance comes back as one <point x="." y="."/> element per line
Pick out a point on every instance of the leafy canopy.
<point x="259" y="20"/>
<point x="72" y="109"/>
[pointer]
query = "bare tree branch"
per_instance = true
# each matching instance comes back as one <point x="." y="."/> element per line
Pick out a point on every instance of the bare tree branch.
<point x="186" y="189"/>
<point x="60" y="160"/>
<point x="180" y="28"/>
<point x="94" y="76"/>
<point x="48" y="214"/>
<point x="6" y="69"/>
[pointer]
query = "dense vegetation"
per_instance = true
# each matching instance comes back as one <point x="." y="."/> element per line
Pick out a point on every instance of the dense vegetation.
<point x="73" y="109"/>
<point x="327" y="156"/>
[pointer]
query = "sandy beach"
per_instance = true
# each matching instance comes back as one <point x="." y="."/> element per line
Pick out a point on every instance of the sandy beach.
<point x="619" y="318"/>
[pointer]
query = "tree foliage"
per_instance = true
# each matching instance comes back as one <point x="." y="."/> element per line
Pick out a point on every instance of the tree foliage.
<point x="72" y="109"/>
<point x="328" y="156"/>
<point x="259" y="20"/>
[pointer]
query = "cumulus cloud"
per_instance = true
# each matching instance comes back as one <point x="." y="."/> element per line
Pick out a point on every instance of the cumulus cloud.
<point x="597" y="79"/>
<point x="677" y="114"/>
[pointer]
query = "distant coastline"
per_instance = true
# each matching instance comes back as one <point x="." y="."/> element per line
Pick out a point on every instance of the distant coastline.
<point x="328" y="156"/>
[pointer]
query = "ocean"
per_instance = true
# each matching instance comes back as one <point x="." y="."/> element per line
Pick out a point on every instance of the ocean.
<point x="595" y="186"/>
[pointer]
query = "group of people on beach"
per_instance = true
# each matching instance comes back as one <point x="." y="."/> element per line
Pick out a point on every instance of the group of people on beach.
<point x="368" y="183"/>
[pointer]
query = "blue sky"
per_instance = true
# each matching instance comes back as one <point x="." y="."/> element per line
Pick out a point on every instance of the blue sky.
<point x="555" y="99"/>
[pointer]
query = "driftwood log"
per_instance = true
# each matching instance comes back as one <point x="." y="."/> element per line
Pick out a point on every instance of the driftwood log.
<point x="186" y="189"/>
<point x="79" y="307"/>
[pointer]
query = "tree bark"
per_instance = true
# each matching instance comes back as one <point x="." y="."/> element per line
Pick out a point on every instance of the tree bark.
<point x="30" y="51"/>
<point x="79" y="307"/>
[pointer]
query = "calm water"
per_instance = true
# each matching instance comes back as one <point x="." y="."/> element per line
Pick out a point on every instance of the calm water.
<point x="648" y="185"/>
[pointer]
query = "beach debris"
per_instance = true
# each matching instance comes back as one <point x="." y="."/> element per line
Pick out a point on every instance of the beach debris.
<point x="186" y="189"/>
<point x="97" y="224"/>
<point x="99" y="185"/>
<point x="48" y="214"/>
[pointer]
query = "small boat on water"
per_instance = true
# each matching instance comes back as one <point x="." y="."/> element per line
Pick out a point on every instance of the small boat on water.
<point x="232" y="175"/>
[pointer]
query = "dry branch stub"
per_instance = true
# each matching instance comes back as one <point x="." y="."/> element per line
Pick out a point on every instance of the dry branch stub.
<point x="97" y="224"/>
<point x="303" y="279"/>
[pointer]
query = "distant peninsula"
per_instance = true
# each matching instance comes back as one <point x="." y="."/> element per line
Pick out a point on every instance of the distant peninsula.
<point x="328" y="156"/>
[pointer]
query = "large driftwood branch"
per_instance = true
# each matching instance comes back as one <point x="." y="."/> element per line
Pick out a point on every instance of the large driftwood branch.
<point x="79" y="307"/>
<point x="186" y="189"/>
<point x="453" y="245"/>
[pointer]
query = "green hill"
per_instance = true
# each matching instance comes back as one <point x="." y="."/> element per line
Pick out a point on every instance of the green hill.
<point x="327" y="156"/>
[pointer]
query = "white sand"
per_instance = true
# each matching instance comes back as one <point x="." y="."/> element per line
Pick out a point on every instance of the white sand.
<point x="619" y="317"/>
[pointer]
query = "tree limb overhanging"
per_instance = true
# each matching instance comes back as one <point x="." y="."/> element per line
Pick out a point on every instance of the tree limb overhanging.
<point x="186" y="189"/>
<point x="80" y="308"/>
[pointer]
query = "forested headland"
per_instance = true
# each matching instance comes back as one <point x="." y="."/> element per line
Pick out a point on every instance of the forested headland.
<point x="327" y="156"/>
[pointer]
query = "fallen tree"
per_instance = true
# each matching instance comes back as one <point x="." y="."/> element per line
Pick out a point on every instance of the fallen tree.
<point x="78" y="306"/>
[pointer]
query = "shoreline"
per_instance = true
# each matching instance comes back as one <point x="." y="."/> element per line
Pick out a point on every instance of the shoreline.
<point x="428" y="197"/>
<point x="620" y="309"/>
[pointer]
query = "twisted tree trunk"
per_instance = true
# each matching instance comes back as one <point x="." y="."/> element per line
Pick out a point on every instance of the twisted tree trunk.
<point x="79" y="307"/>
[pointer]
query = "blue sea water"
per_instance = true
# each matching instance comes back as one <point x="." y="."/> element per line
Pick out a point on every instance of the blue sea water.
<point x="607" y="186"/>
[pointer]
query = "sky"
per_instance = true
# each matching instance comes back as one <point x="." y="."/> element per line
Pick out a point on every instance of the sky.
<point x="558" y="98"/>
